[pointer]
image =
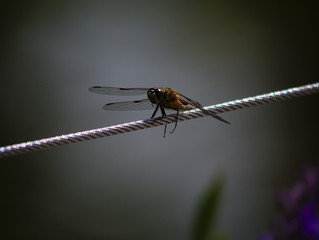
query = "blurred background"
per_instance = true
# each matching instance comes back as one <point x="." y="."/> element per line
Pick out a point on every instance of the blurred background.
<point x="141" y="185"/>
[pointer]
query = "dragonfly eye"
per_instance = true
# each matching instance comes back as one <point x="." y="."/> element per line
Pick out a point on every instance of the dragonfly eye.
<point x="152" y="96"/>
<point x="159" y="94"/>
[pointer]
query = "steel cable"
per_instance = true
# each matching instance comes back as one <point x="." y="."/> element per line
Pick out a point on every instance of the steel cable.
<point x="50" y="142"/>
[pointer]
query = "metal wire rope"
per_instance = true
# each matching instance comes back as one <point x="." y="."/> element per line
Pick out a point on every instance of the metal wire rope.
<point x="50" y="142"/>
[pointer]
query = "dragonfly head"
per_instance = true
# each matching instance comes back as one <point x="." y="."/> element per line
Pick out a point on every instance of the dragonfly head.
<point x="155" y="95"/>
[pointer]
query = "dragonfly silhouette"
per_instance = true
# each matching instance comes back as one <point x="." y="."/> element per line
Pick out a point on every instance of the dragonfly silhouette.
<point x="161" y="97"/>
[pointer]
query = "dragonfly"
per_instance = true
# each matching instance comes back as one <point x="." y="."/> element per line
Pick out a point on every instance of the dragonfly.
<point x="161" y="98"/>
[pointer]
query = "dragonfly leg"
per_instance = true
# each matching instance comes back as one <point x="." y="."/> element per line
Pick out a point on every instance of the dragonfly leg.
<point x="175" y="122"/>
<point x="153" y="115"/>
<point x="155" y="111"/>
<point x="163" y="115"/>
<point x="163" y="111"/>
<point x="165" y="127"/>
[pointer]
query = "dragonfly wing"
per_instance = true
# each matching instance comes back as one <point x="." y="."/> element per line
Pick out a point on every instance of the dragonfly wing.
<point x="200" y="106"/>
<point x="129" y="105"/>
<point x="191" y="101"/>
<point x="118" y="91"/>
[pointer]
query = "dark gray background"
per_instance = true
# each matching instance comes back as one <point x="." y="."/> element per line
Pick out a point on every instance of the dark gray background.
<point x="141" y="185"/>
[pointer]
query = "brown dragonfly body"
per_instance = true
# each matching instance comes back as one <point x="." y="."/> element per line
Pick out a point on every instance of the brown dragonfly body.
<point x="172" y="100"/>
<point x="162" y="98"/>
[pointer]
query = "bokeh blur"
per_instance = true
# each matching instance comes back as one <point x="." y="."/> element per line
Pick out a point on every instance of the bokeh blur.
<point x="140" y="185"/>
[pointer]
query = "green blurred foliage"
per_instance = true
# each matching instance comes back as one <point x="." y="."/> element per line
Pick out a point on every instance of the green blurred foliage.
<point x="207" y="213"/>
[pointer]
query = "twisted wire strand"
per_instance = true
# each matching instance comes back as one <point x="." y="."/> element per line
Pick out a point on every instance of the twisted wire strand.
<point x="51" y="142"/>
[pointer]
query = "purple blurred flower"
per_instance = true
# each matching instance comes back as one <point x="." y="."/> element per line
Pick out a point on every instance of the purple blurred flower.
<point x="310" y="220"/>
<point x="299" y="205"/>
<point x="267" y="236"/>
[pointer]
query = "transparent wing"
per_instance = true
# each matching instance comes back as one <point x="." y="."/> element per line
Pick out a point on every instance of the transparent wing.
<point x="129" y="105"/>
<point x="118" y="91"/>
<point x="200" y="106"/>
<point x="190" y="101"/>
